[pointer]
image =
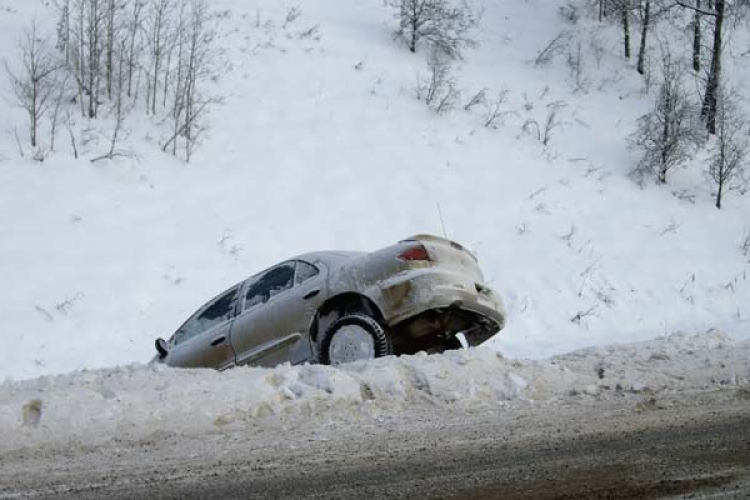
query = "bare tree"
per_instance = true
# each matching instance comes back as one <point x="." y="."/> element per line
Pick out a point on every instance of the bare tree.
<point x="697" y="35"/>
<point x="666" y="135"/>
<point x="645" y="25"/>
<point x="625" y="16"/>
<point x="63" y="28"/>
<point x="438" y="88"/>
<point x="33" y="86"/>
<point x="87" y="44"/>
<point x="94" y="37"/>
<point x="119" y="78"/>
<point x="62" y="91"/>
<point x="197" y="53"/>
<point x="156" y="29"/>
<point x="445" y="25"/>
<point x="718" y="10"/>
<point x="117" y="50"/>
<point x="727" y="166"/>
<point x="134" y="30"/>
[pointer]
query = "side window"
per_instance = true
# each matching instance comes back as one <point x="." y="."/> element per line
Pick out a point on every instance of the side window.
<point x="269" y="284"/>
<point x="305" y="271"/>
<point x="215" y="312"/>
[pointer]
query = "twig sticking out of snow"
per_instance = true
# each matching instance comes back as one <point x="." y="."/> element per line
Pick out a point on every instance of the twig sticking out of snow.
<point x="580" y="315"/>
<point x="671" y="228"/>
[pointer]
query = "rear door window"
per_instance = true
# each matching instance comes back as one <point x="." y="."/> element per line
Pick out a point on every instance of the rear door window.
<point x="268" y="284"/>
<point x="305" y="271"/>
<point x="215" y="312"/>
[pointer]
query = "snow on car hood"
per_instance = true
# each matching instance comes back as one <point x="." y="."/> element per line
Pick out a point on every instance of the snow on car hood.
<point x="139" y="401"/>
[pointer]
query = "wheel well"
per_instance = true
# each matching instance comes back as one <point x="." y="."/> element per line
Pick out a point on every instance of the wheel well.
<point x="342" y="304"/>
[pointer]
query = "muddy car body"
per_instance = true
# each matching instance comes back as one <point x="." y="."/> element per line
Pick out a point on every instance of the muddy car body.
<point x="424" y="293"/>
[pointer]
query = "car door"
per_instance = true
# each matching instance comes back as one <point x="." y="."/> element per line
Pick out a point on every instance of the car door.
<point x="277" y="307"/>
<point x="204" y="340"/>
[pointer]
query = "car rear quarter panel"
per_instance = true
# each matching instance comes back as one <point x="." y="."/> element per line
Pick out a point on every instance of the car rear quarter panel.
<point x="404" y="289"/>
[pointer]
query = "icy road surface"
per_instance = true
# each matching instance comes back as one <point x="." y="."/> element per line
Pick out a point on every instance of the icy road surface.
<point x="650" y="420"/>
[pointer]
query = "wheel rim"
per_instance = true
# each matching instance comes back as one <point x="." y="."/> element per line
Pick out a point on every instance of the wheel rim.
<point x="351" y="343"/>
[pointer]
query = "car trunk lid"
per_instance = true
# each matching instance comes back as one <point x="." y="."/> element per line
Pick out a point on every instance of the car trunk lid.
<point x="449" y="254"/>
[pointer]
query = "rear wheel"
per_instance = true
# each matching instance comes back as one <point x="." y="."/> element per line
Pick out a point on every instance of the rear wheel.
<point x="354" y="337"/>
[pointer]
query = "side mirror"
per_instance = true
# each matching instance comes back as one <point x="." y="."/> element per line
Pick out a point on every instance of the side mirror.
<point x="161" y="348"/>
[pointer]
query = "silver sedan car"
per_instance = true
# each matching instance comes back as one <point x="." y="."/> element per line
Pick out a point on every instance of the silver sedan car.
<point x="425" y="293"/>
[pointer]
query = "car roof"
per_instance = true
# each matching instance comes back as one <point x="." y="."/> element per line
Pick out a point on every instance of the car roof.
<point x="330" y="258"/>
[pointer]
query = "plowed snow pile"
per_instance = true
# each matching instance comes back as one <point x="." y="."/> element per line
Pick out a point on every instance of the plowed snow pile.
<point x="141" y="402"/>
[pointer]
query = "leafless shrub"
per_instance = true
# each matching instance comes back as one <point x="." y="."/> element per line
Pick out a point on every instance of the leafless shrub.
<point x="745" y="244"/>
<point x="119" y="114"/>
<point x="684" y="195"/>
<point x="312" y="32"/>
<point x="69" y="123"/>
<point x="61" y="96"/>
<point x="551" y="122"/>
<point x="598" y="48"/>
<point x="568" y="237"/>
<point x="438" y="88"/>
<point x="18" y="142"/>
<point x="687" y="289"/>
<point x="442" y="24"/>
<point x="667" y="135"/>
<point x="477" y="99"/>
<point x="727" y="165"/>
<point x="583" y="314"/>
<point x="494" y="113"/>
<point x="553" y="48"/>
<point x="577" y="65"/>
<point x="45" y="313"/>
<point x="64" y="306"/>
<point x="570" y="12"/>
<point x="291" y="16"/>
<point x="537" y="192"/>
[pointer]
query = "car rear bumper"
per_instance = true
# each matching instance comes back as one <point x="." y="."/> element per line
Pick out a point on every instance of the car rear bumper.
<point x="415" y="292"/>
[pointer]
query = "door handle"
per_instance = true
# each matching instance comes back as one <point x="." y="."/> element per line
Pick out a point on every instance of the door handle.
<point x="218" y="340"/>
<point x="311" y="294"/>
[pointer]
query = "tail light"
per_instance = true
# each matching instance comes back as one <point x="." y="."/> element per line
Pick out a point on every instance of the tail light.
<point x="418" y="252"/>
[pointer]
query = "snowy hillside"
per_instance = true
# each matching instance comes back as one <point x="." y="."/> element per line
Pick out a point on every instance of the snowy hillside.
<point x="322" y="144"/>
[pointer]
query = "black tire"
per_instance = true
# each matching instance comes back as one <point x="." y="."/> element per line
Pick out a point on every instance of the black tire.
<point x="382" y="339"/>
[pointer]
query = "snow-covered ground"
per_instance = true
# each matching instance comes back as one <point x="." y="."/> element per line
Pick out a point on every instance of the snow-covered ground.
<point x="137" y="403"/>
<point x="322" y="145"/>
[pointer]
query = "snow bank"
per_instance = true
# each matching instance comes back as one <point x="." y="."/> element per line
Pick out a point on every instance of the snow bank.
<point x="142" y="402"/>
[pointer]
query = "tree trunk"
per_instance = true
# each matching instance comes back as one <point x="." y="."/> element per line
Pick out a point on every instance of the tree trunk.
<point x="413" y="41"/>
<point x="697" y="37"/>
<point x="708" y="111"/>
<point x="110" y="45"/>
<point x="133" y="34"/>
<point x="626" y="26"/>
<point x="644" y="37"/>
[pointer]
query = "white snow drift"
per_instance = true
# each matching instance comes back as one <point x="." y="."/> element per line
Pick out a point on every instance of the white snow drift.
<point x="144" y="402"/>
